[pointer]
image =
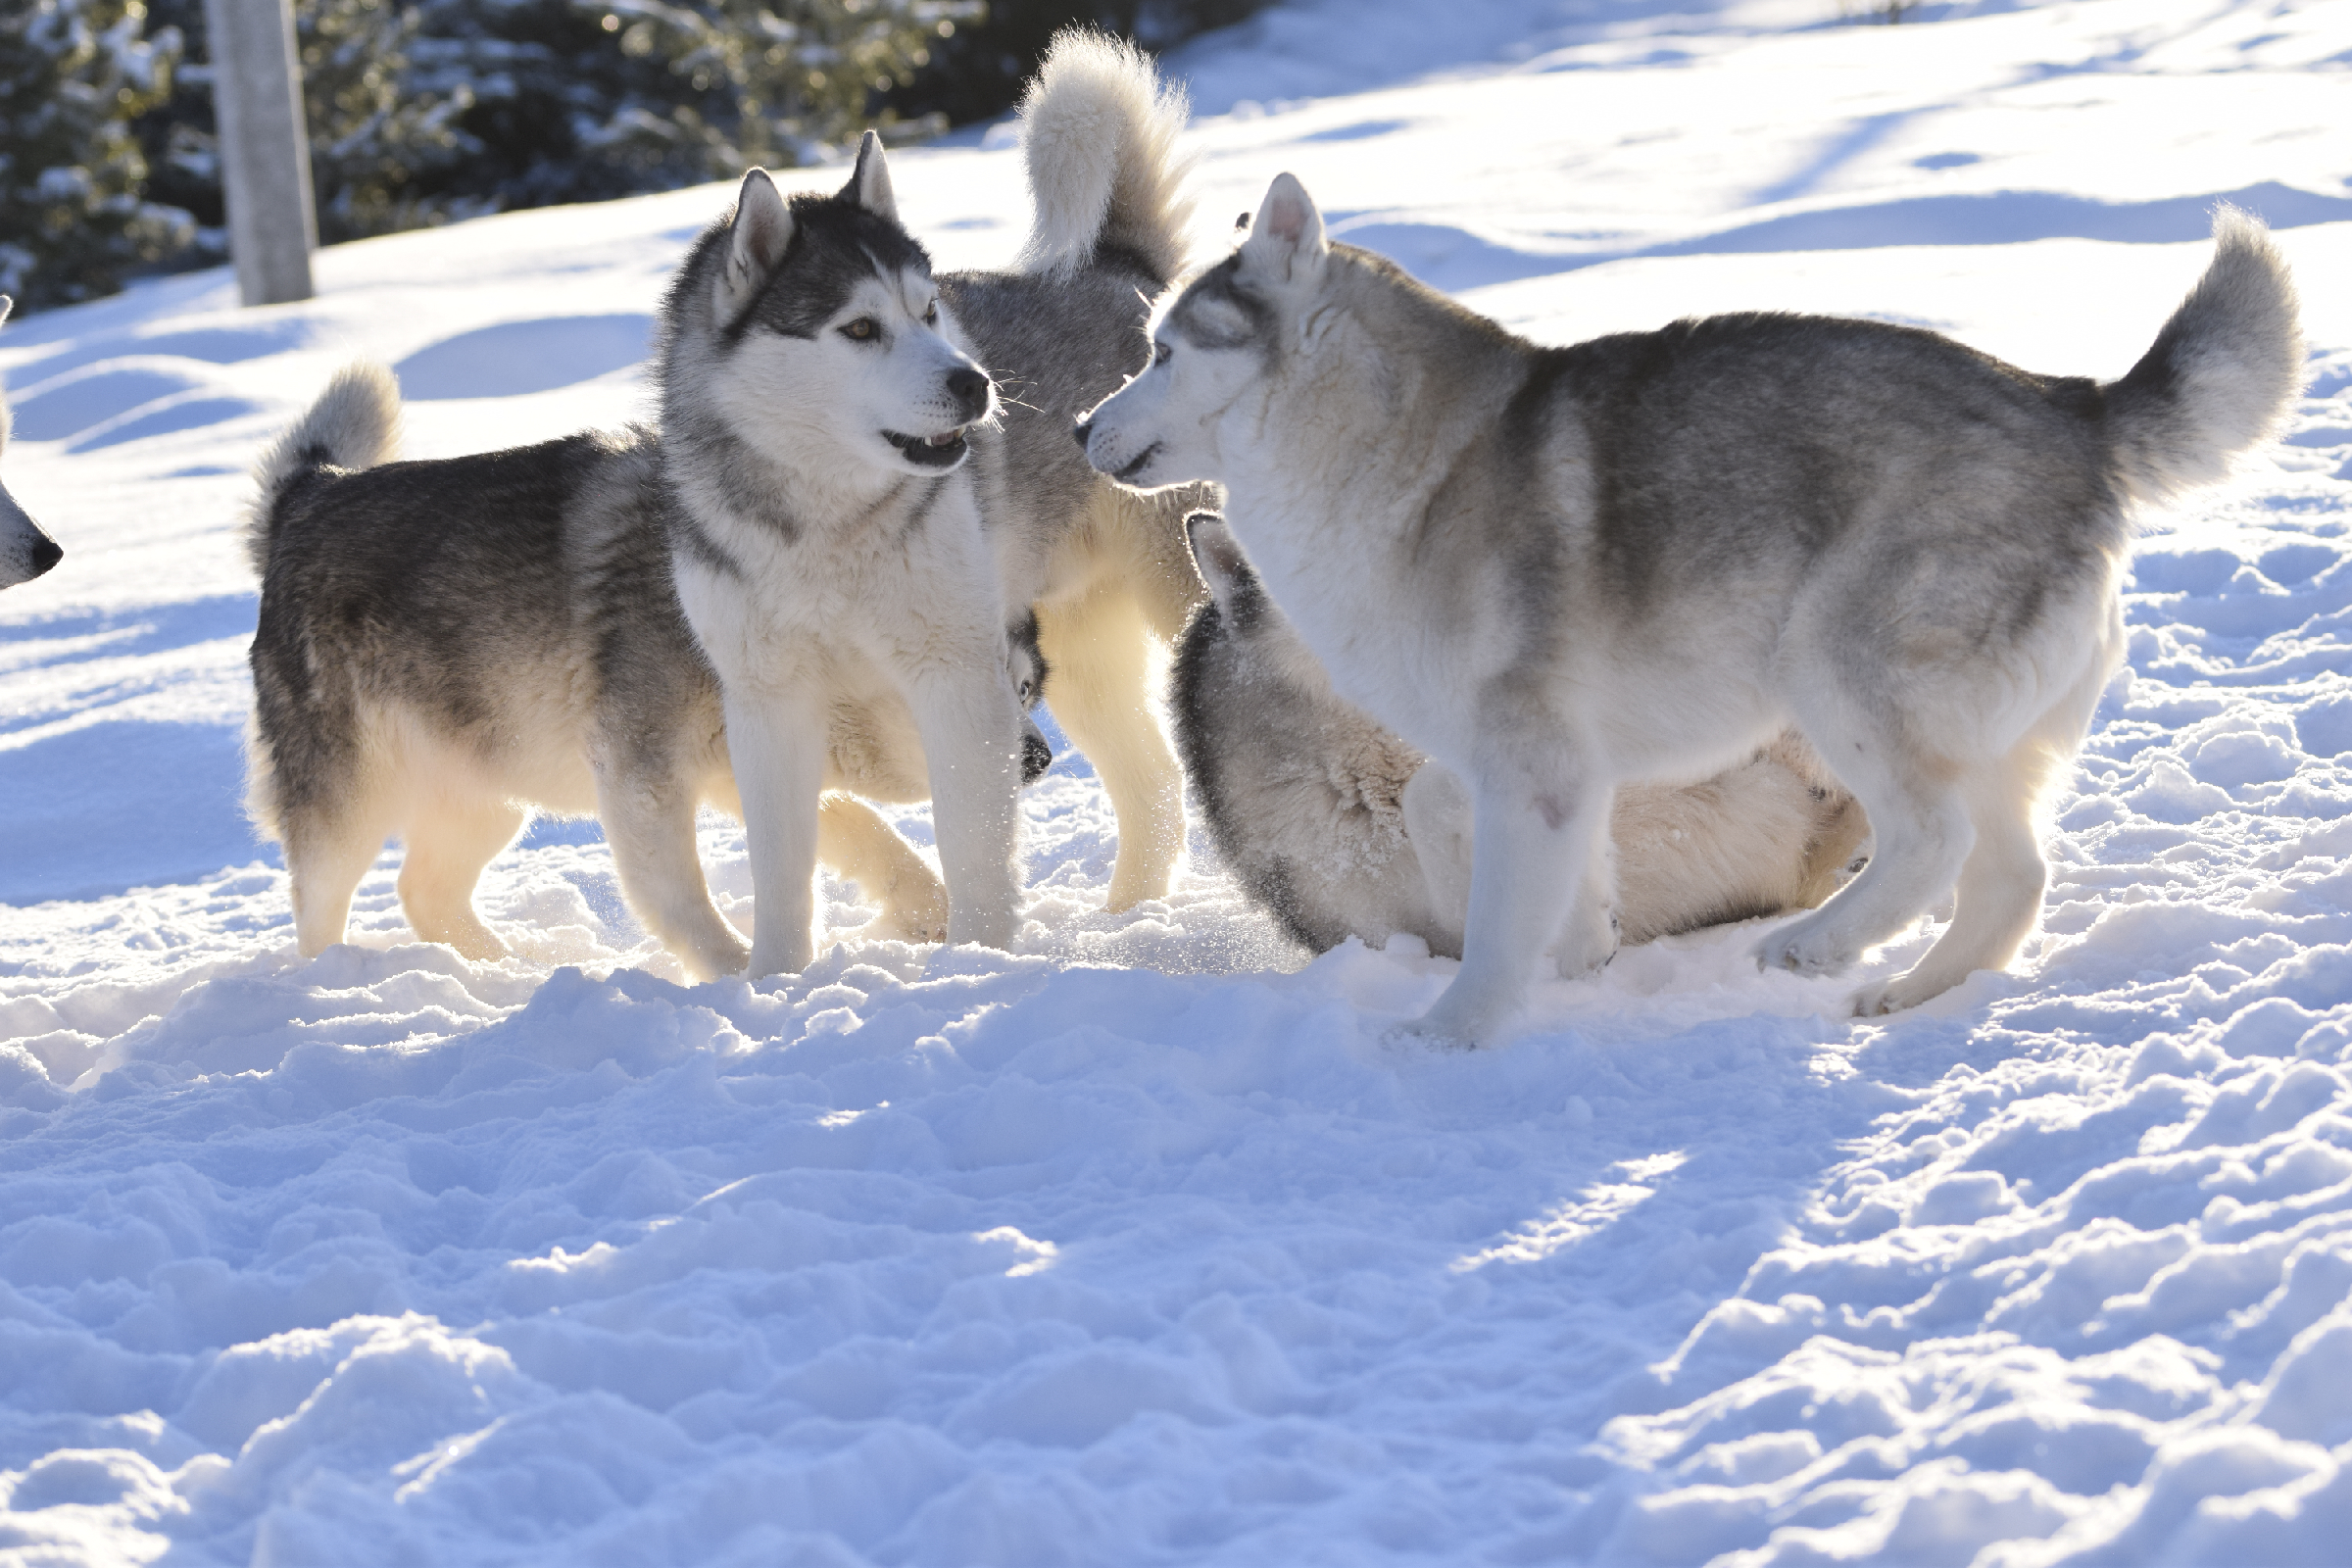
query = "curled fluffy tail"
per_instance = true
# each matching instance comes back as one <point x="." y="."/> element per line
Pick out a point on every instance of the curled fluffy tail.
<point x="1098" y="134"/>
<point x="2221" y="376"/>
<point x="354" y="424"/>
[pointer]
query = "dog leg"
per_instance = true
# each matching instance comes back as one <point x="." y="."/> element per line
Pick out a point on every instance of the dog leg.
<point x="649" y="821"/>
<point x="1438" y="824"/>
<point x="1923" y="835"/>
<point x="1532" y="840"/>
<point x="853" y="840"/>
<point x="324" y="862"/>
<point x="447" y="850"/>
<point x="778" y="747"/>
<point x="971" y="731"/>
<point x="1999" y="895"/>
<point x="1589" y="937"/>
<point x="2003" y="882"/>
<point x="1101" y="690"/>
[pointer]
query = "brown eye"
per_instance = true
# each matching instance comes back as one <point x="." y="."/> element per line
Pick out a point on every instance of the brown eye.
<point x="861" y="330"/>
<point x="931" y="315"/>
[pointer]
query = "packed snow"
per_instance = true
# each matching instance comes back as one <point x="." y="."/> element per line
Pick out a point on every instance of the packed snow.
<point x="1145" y="1244"/>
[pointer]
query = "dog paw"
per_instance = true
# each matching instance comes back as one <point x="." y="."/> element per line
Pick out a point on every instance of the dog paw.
<point x="916" y="926"/>
<point x="1896" y="994"/>
<point x="1804" y="949"/>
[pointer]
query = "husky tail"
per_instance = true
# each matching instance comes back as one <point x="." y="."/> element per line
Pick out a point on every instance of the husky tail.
<point x="1098" y="134"/>
<point x="354" y="424"/>
<point x="2219" y="376"/>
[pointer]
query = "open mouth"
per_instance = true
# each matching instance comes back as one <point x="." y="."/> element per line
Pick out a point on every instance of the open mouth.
<point x="942" y="451"/>
<point x="1141" y="458"/>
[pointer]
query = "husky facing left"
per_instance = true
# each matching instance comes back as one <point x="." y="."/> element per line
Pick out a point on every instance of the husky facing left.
<point x="445" y="645"/>
<point x="25" y="550"/>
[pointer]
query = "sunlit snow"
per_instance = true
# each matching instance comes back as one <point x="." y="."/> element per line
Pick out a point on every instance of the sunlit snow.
<point x="1142" y="1244"/>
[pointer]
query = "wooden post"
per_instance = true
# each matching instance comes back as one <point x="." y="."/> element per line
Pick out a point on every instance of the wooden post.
<point x="265" y="148"/>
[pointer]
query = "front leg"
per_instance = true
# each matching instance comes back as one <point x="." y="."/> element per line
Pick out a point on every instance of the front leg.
<point x="777" y="742"/>
<point x="970" y="723"/>
<point x="1533" y="833"/>
<point x="1438" y="823"/>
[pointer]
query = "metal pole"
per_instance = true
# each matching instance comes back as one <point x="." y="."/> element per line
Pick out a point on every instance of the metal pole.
<point x="265" y="148"/>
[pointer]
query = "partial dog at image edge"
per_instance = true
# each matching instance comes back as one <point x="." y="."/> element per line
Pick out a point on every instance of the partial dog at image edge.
<point x="1337" y="828"/>
<point x="1559" y="569"/>
<point x="25" y="550"/>
<point x="444" y="646"/>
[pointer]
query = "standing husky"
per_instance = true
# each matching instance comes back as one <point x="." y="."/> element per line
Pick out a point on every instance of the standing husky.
<point x="1559" y="570"/>
<point x="825" y="536"/>
<point x="1105" y="569"/>
<point x="1337" y="828"/>
<point x="25" y="550"/>
<point x="444" y="645"/>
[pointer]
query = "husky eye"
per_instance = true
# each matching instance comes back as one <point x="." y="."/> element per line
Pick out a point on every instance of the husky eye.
<point x="931" y="313"/>
<point x="861" y="330"/>
<point x="1161" y="350"/>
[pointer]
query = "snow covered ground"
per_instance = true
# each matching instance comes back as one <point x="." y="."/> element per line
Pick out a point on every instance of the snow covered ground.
<point x="1139" y="1246"/>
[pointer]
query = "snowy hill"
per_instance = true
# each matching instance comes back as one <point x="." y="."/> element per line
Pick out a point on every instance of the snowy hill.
<point x="1140" y="1245"/>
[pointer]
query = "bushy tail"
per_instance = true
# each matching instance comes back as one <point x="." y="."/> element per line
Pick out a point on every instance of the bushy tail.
<point x="354" y="424"/>
<point x="2219" y="376"/>
<point x="1098" y="134"/>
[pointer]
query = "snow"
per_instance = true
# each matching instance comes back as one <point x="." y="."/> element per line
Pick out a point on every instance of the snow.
<point x="1142" y="1244"/>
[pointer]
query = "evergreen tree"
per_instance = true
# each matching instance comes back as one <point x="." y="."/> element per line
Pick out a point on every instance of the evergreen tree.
<point x="73" y="221"/>
<point x="575" y="100"/>
<point x="380" y="148"/>
<point x="977" y="71"/>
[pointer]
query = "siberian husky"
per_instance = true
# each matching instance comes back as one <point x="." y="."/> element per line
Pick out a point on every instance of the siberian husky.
<point x="1337" y="828"/>
<point x="1558" y="570"/>
<point x="25" y="550"/>
<point x="1105" y="569"/>
<point x="444" y="646"/>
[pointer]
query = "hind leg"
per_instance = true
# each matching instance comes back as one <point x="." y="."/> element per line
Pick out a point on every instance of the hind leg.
<point x="449" y="842"/>
<point x="1099" y="653"/>
<point x="1923" y="835"/>
<point x="2001" y="885"/>
<point x="852" y="838"/>
<point x="324" y="862"/>
<point x="648" y="815"/>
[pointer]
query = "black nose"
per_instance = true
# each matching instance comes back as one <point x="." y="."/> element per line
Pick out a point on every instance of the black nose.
<point x="970" y="387"/>
<point x="1082" y="430"/>
<point x="48" y="552"/>
<point x="1036" y="758"/>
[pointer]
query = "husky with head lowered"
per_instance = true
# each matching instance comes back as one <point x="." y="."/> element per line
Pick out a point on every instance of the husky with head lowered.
<point x="1337" y="828"/>
<point x="1560" y="569"/>
<point x="445" y="646"/>
<point x="25" y="550"/>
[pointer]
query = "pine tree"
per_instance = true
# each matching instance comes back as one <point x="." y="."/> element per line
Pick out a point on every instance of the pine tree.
<point x="381" y="147"/>
<point x="73" y="75"/>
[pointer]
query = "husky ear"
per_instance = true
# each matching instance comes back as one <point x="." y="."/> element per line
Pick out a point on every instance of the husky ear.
<point x="1219" y="556"/>
<point x="1287" y="242"/>
<point x="869" y="181"/>
<point x="756" y="243"/>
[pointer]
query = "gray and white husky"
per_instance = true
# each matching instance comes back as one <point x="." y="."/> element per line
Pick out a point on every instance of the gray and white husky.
<point x="25" y="550"/>
<point x="586" y="690"/>
<point x="1559" y="569"/>
<point x="1337" y="828"/>
<point x="444" y="646"/>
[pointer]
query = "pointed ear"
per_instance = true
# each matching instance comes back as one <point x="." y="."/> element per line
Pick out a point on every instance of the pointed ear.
<point x="1219" y="556"/>
<point x="869" y="181"/>
<point x="756" y="243"/>
<point x="1287" y="242"/>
